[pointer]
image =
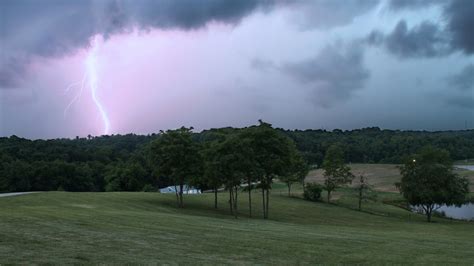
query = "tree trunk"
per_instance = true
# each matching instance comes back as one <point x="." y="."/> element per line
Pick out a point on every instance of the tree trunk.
<point x="230" y="201"/>
<point x="215" y="197"/>
<point x="329" y="196"/>
<point x="263" y="201"/>
<point x="250" y="196"/>
<point x="181" y="195"/>
<point x="177" y="194"/>
<point x="360" y="199"/>
<point x="266" y="207"/>
<point x="429" y="211"/>
<point x="235" y="202"/>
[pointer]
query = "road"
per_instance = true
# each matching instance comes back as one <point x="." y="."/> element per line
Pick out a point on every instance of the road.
<point x="15" y="194"/>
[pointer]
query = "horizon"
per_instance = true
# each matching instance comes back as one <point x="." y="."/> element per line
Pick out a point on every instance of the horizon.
<point x="90" y="67"/>
<point x="277" y="128"/>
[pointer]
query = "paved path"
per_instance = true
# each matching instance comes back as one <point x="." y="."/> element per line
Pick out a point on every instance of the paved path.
<point x="15" y="194"/>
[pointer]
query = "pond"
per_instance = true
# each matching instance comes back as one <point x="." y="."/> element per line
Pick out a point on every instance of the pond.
<point x="466" y="167"/>
<point x="464" y="212"/>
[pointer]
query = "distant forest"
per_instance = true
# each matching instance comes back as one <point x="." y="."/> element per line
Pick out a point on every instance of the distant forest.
<point x="121" y="162"/>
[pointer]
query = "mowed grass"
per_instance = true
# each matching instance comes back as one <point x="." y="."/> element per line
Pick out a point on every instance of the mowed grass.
<point x="119" y="228"/>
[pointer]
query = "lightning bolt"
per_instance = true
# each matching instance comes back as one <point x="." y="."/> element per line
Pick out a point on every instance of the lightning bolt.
<point x="90" y="77"/>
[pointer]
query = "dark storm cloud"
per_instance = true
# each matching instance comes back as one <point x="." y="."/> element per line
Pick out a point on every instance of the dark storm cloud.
<point x="58" y="27"/>
<point x="54" y="28"/>
<point x="47" y="27"/>
<point x="463" y="81"/>
<point x="325" y="14"/>
<point x="423" y="40"/>
<point x="11" y="70"/>
<point x="429" y="39"/>
<point x="189" y="14"/>
<point x="459" y="14"/>
<point x="412" y="4"/>
<point x="333" y="75"/>
<point x="461" y="101"/>
<point x="460" y="91"/>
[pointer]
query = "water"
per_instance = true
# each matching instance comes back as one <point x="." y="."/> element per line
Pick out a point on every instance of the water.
<point x="466" y="167"/>
<point x="464" y="212"/>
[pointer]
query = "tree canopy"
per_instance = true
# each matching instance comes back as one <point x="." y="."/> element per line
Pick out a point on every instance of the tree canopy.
<point x="177" y="156"/>
<point x="336" y="172"/>
<point x="428" y="181"/>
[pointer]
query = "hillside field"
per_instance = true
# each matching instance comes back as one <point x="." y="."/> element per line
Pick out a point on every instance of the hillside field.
<point x="382" y="176"/>
<point x="141" y="227"/>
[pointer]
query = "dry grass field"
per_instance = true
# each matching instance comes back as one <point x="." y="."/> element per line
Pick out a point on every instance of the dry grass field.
<point x="382" y="176"/>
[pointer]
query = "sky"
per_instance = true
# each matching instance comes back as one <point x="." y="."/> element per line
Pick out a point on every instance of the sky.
<point x="74" y="68"/>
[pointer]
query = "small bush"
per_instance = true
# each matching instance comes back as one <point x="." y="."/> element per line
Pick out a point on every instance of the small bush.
<point x="149" y="188"/>
<point x="312" y="191"/>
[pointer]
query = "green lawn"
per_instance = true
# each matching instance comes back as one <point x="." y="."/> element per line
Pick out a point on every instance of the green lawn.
<point x="61" y="227"/>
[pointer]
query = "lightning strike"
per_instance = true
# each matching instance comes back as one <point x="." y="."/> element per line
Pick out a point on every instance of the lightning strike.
<point x="91" y="76"/>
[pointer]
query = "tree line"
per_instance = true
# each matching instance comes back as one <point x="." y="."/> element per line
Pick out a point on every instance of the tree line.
<point x="236" y="158"/>
<point x="122" y="162"/>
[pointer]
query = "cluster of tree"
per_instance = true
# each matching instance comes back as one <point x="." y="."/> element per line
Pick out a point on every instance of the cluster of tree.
<point x="128" y="162"/>
<point x="373" y="145"/>
<point x="108" y="163"/>
<point x="251" y="157"/>
<point x="428" y="180"/>
<point x="336" y="174"/>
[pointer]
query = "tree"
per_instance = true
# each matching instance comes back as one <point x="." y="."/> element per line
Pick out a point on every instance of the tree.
<point x="212" y="175"/>
<point x="126" y="176"/>
<point x="312" y="191"/>
<point x="234" y="162"/>
<point x="176" y="155"/>
<point x="298" y="170"/>
<point x="364" y="190"/>
<point x="272" y="154"/>
<point x="428" y="181"/>
<point x="336" y="173"/>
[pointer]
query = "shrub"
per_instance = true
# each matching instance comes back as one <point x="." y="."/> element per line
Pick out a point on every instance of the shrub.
<point x="312" y="191"/>
<point x="149" y="188"/>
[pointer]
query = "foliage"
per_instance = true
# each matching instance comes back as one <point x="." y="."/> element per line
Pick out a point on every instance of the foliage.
<point x="272" y="157"/>
<point x="177" y="156"/>
<point x="365" y="191"/>
<point x="149" y="188"/>
<point x="312" y="191"/>
<point x="336" y="173"/>
<point x="36" y="164"/>
<point x="298" y="170"/>
<point x="374" y="145"/>
<point x="129" y="176"/>
<point x="428" y="181"/>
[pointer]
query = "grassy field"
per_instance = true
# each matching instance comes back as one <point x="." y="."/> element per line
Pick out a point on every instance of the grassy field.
<point x="382" y="176"/>
<point x="62" y="227"/>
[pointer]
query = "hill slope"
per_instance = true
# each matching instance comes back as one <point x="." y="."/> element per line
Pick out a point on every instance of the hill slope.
<point x="64" y="227"/>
